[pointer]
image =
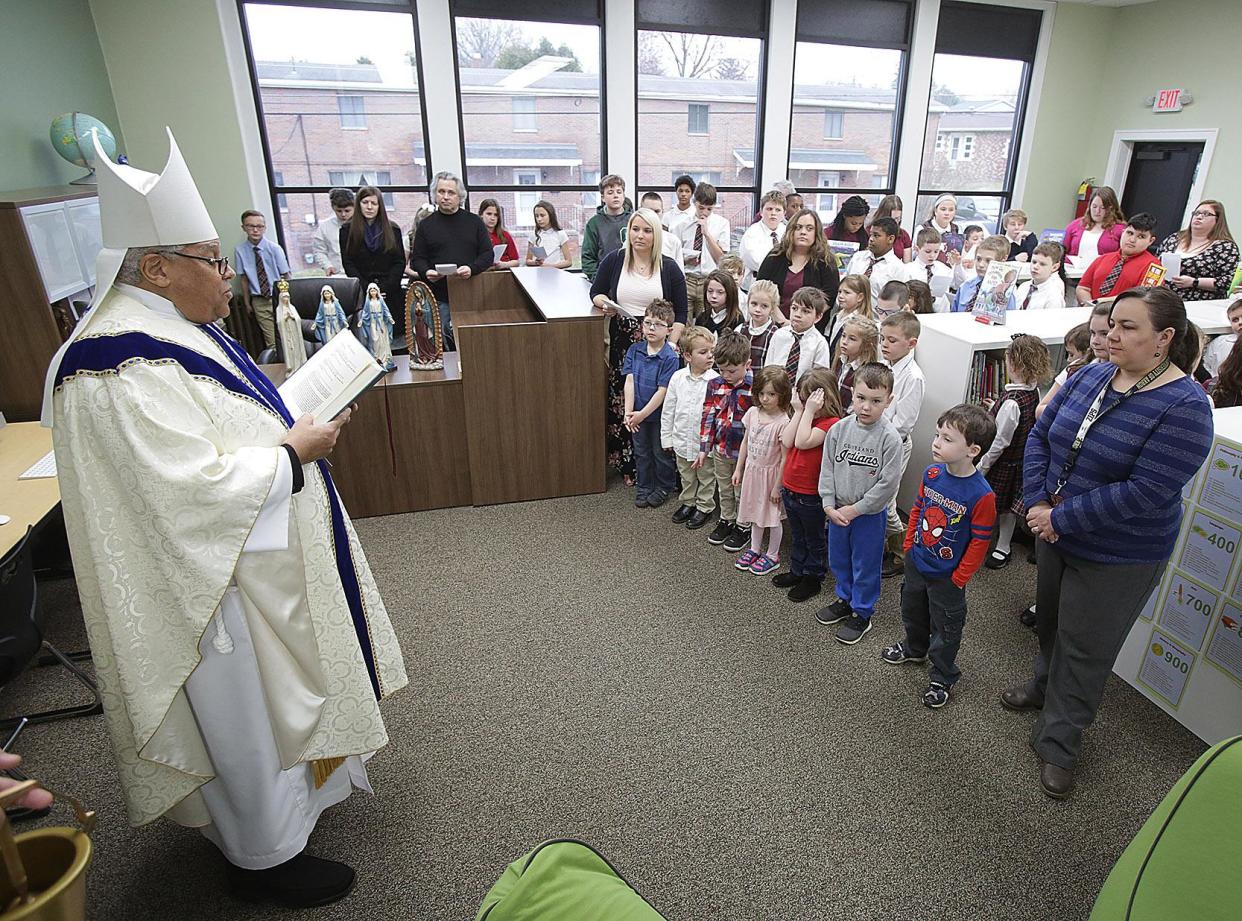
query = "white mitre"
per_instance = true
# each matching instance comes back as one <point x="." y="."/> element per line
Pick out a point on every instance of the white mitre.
<point x="137" y="209"/>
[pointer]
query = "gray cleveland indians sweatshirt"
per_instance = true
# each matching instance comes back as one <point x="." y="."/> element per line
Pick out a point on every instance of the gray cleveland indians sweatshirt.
<point x="861" y="465"/>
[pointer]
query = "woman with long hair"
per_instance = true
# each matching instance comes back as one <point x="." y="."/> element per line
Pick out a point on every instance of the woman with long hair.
<point x="1209" y="254"/>
<point x="1099" y="230"/>
<point x="493" y="218"/>
<point x="549" y="237"/>
<point x="1227" y="391"/>
<point x="372" y="250"/>
<point x="849" y="225"/>
<point x="632" y="277"/>
<point x="803" y="259"/>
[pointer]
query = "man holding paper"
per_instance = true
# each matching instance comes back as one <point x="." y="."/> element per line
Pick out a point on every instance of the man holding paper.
<point x="450" y="240"/>
<point x="239" y="640"/>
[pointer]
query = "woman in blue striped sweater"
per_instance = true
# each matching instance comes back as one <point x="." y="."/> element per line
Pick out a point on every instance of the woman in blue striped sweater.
<point x="1102" y="481"/>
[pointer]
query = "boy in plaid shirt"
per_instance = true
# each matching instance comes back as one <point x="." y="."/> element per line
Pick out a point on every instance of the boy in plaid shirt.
<point x="728" y="398"/>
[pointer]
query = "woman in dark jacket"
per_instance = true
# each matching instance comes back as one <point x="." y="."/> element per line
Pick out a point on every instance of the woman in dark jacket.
<point x="803" y="260"/>
<point x="372" y="251"/>
<point x="633" y="277"/>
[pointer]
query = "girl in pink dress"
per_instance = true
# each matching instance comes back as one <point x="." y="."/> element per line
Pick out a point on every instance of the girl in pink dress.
<point x="759" y="466"/>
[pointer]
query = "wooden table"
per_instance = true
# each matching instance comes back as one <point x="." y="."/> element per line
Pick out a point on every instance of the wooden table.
<point x="26" y="502"/>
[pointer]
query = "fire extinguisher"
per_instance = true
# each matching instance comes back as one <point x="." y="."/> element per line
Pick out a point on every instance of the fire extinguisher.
<point x="1086" y="189"/>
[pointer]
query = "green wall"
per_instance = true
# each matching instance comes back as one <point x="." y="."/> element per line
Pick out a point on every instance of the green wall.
<point x="52" y="56"/>
<point x="170" y="69"/>
<point x="1103" y="63"/>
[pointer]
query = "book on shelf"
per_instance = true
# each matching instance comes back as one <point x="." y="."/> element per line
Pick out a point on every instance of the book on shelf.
<point x="987" y="377"/>
<point x="332" y="379"/>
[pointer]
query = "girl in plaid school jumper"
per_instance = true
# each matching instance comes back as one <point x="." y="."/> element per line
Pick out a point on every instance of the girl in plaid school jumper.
<point x="1027" y="363"/>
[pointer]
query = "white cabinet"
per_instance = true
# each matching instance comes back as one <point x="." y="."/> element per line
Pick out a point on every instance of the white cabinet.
<point x="946" y="353"/>
<point x="65" y="237"/>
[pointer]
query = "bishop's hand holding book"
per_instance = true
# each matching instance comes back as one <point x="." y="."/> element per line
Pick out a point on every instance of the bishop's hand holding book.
<point x="331" y="380"/>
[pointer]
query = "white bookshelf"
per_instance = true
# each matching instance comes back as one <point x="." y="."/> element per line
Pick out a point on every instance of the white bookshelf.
<point x="948" y="345"/>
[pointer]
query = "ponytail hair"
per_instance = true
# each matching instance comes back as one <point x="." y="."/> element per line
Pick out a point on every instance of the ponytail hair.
<point x="1166" y="311"/>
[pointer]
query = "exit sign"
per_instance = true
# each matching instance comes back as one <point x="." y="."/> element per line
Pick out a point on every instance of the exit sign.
<point x="1168" y="101"/>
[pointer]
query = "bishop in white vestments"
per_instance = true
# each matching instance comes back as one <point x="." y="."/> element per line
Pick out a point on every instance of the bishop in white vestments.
<point x="238" y="637"/>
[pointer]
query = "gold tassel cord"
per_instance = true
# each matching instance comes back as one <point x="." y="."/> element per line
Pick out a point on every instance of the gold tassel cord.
<point x="322" y="768"/>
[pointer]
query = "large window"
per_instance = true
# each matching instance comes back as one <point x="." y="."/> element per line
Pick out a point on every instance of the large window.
<point x="530" y="111"/>
<point x="849" y="80"/>
<point x="699" y="105"/>
<point x="980" y="77"/>
<point x="335" y="112"/>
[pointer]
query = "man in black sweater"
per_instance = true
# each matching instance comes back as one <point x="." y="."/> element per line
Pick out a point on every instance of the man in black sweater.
<point x="449" y="236"/>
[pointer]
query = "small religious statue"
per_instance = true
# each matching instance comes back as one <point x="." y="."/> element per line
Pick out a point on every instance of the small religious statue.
<point x="289" y="329"/>
<point x="330" y="319"/>
<point x="422" y="322"/>
<point x="375" y="324"/>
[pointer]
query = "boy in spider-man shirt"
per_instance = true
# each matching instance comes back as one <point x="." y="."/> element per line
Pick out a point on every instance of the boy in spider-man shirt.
<point x="947" y="538"/>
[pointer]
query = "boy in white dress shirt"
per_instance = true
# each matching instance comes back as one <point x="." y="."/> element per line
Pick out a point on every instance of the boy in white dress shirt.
<point x="899" y="334"/>
<point x="1045" y="290"/>
<point x="672" y="245"/>
<point x="806" y="308"/>
<point x="927" y="267"/>
<point x="704" y="242"/>
<point x="763" y="236"/>
<point x="682" y="211"/>
<point x="878" y="263"/>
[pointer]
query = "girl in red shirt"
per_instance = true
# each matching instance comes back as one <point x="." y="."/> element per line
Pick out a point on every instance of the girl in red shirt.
<point x="493" y="220"/>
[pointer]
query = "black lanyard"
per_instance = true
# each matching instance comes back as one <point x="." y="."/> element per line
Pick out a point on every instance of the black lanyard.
<point x="1095" y="413"/>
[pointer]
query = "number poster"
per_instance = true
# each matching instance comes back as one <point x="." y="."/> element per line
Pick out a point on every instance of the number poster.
<point x="1185" y="651"/>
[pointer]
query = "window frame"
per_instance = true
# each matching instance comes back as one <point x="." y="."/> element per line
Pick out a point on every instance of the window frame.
<point x="1005" y="194"/>
<point x="829" y="115"/>
<point x="703" y="109"/>
<point x="520" y="123"/>
<point x="409" y="8"/>
<point x="360" y="114"/>
<point x="584" y="188"/>
<point x="899" y="108"/>
<point x="761" y="92"/>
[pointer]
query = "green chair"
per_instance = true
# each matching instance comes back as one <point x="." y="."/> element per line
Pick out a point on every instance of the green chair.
<point x="564" y="880"/>
<point x="1179" y="865"/>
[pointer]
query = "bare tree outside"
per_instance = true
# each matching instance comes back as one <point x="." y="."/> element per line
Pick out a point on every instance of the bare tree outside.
<point x="480" y="41"/>
<point x="693" y="55"/>
<point x="732" y="68"/>
<point x="650" y="55"/>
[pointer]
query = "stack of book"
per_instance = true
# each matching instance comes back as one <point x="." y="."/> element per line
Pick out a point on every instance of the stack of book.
<point x="987" y="377"/>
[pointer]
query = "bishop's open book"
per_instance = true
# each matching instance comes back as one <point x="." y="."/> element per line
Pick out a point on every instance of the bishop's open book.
<point x="332" y="379"/>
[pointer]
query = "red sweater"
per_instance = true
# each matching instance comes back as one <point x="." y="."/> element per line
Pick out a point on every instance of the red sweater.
<point x="1131" y="274"/>
<point x="510" y="252"/>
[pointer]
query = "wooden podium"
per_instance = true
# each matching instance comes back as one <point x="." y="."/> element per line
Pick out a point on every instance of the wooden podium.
<point x="516" y="414"/>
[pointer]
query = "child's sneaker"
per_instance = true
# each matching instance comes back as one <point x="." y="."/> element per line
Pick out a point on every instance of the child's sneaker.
<point x="897" y="653"/>
<point x="833" y="613"/>
<point x="682" y="515"/>
<point x="786" y="579"/>
<point x="738" y="539"/>
<point x="722" y="530"/>
<point x="764" y="565"/>
<point x="853" y="630"/>
<point x="936" y="695"/>
<point x="745" y="560"/>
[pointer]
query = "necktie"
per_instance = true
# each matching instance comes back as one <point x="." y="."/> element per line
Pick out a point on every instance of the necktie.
<point x="795" y="355"/>
<point x="870" y="266"/>
<point x="775" y="241"/>
<point x="265" y="286"/>
<point x="698" y="241"/>
<point x="1111" y="281"/>
<point x="847" y="389"/>
<point x="1026" y="301"/>
<point x="974" y="297"/>
<point x="929" y="274"/>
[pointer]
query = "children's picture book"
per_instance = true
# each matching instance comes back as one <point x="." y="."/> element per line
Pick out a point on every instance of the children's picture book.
<point x="843" y="248"/>
<point x="1154" y="276"/>
<point x="953" y="242"/>
<point x="1052" y="235"/>
<point x="996" y="292"/>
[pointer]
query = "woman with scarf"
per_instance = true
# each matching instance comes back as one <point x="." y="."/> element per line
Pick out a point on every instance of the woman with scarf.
<point x="371" y="249"/>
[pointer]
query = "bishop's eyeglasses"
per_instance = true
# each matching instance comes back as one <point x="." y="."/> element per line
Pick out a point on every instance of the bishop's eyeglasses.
<point x="220" y="262"/>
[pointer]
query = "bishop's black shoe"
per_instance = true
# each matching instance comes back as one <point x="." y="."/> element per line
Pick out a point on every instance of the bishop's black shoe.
<point x="302" y="882"/>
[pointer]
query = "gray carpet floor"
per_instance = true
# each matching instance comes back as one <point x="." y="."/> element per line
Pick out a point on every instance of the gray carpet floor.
<point x="583" y="668"/>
